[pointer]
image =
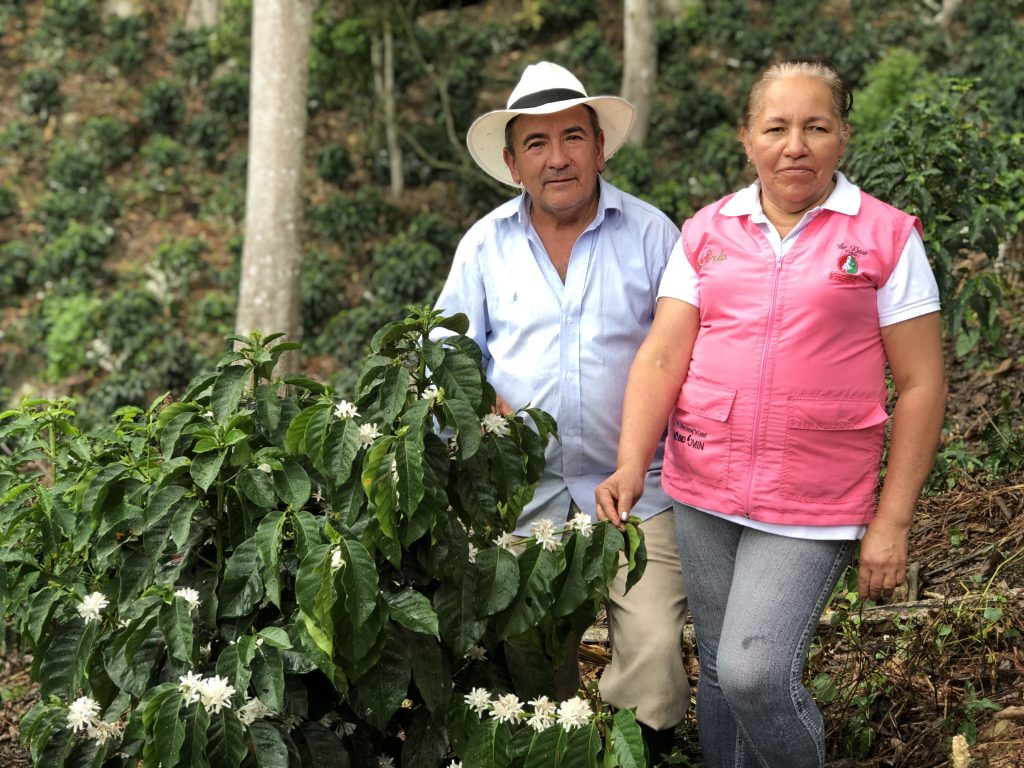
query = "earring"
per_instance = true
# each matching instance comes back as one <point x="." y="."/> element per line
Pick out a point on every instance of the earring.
<point x="839" y="162"/>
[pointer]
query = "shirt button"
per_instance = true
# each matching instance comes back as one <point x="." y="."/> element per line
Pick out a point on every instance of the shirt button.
<point x="570" y="432"/>
<point x="568" y="376"/>
<point x="569" y="321"/>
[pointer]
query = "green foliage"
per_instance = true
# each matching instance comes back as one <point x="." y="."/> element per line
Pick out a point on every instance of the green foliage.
<point x="72" y="168"/>
<point x="8" y="202"/>
<point x="333" y="559"/>
<point x="72" y="326"/>
<point x="76" y="256"/>
<point x="106" y="140"/>
<point x="889" y="86"/>
<point x="208" y="133"/>
<point x="334" y="164"/>
<point x="19" y="138"/>
<point x="163" y="107"/>
<point x="194" y="58"/>
<point x="39" y="93"/>
<point x="353" y="220"/>
<point x="17" y="258"/>
<point x="229" y="96"/>
<point x="591" y="57"/>
<point x="128" y="41"/>
<point x="937" y="159"/>
<point x="69" y="21"/>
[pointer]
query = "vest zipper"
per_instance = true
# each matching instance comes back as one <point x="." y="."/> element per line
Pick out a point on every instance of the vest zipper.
<point x="760" y="389"/>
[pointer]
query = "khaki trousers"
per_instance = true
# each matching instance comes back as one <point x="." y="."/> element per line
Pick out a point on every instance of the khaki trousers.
<point x="645" y="629"/>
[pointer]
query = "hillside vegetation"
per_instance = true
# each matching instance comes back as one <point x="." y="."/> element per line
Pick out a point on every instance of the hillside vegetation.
<point x="122" y="188"/>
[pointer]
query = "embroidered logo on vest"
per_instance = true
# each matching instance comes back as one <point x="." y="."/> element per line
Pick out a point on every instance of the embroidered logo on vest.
<point x="710" y="257"/>
<point x="847" y="264"/>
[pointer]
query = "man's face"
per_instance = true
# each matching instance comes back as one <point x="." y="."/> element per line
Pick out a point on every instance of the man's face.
<point x="557" y="159"/>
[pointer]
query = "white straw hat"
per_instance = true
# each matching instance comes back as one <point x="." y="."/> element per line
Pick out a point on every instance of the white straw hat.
<point x="543" y="89"/>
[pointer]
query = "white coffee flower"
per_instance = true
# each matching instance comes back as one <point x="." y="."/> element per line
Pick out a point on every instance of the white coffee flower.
<point x="82" y="713"/>
<point x="574" y="713"/>
<point x="494" y="424"/>
<point x="189" y="595"/>
<point x="385" y="761"/>
<point x="102" y="731"/>
<point x="91" y="605"/>
<point x="478" y="699"/>
<point x="476" y="653"/>
<point x="265" y="468"/>
<point x="367" y="434"/>
<point x="455" y="764"/>
<point x="544" y="532"/>
<point x="431" y="392"/>
<point x="337" y="561"/>
<point x="253" y="710"/>
<point x="543" y="713"/>
<point x="345" y="410"/>
<point x="508" y="709"/>
<point x="960" y="752"/>
<point x="581" y="523"/>
<point x="347" y="729"/>
<point x="505" y="541"/>
<point x="473" y="552"/>
<point x="215" y="693"/>
<point x="191" y="686"/>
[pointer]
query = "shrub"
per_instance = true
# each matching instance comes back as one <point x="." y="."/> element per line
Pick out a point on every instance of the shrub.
<point x="344" y="563"/>
<point x="72" y="168"/>
<point x="91" y="207"/>
<point x="106" y="138"/>
<point x="68" y="21"/>
<point x="17" y="257"/>
<point x="323" y="283"/>
<point x="39" y="93"/>
<point x="72" y="324"/>
<point x="163" y="107"/>
<point x="208" y="134"/>
<point x="405" y="270"/>
<point x="128" y="38"/>
<point x="75" y="256"/>
<point x="8" y="202"/>
<point x="214" y="313"/>
<point x="19" y="138"/>
<point x="353" y="219"/>
<point x="193" y="58"/>
<point x="334" y="164"/>
<point x="228" y="95"/>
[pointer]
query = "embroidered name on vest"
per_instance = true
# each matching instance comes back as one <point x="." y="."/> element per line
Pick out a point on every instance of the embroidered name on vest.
<point x="694" y="437"/>
<point x="848" y="267"/>
<point x="710" y="257"/>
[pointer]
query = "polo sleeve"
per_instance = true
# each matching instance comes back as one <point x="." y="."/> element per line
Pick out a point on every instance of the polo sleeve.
<point x="680" y="280"/>
<point x="911" y="290"/>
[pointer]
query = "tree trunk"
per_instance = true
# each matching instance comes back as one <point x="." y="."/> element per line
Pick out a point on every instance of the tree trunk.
<point x="382" y="56"/>
<point x="203" y="13"/>
<point x="640" y="60"/>
<point x="269" y="294"/>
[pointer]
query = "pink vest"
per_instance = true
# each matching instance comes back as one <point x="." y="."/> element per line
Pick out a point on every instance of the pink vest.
<point x="782" y="415"/>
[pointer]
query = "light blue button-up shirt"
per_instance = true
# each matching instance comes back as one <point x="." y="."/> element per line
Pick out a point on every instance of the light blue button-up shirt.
<point x="566" y="348"/>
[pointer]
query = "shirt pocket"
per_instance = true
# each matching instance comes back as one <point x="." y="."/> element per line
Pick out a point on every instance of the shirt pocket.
<point x="833" y="449"/>
<point x="700" y="434"/>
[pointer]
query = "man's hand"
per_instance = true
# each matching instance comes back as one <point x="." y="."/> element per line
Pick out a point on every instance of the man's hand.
<point x="883" y="559"/>
<point x="501" y="407"/>
<point x="616" y="496"/>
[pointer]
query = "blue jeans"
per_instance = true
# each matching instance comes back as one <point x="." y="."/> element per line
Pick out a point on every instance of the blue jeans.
<point x="756" y="599"/>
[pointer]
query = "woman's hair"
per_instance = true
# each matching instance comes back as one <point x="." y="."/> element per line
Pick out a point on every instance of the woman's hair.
<point x="821" y="68"/>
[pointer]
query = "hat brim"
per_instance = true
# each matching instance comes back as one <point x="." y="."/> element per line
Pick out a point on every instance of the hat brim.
<point x="486" y="136"/>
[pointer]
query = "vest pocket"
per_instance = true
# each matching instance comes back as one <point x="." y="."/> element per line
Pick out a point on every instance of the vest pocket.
<point x="833" y="449"/>
<point x="699" y="433"/>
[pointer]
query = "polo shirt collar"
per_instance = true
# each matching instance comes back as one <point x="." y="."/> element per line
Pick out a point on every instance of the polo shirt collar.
<point x="845" y="198"/>
<point x="610" y="200"/>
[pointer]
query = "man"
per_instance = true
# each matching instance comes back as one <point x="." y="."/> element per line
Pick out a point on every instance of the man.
<point x="560" y="286"/>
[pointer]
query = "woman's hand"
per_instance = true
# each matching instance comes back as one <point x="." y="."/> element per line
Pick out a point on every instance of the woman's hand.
<point x="616" y="496"/>
<point x="883" y="559"/>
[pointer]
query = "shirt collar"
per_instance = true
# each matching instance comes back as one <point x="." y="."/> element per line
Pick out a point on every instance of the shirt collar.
<point x="845" y="198"/>
<point x="610" y="200"/>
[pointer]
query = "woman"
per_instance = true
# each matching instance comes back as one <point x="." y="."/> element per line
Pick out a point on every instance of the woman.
<point x="775" y="321"/>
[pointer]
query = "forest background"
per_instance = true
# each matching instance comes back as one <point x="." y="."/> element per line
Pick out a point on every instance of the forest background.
<point x="124" y="134"/>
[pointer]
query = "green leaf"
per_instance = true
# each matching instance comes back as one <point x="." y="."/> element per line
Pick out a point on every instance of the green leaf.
<point x="409" y="465"/>
<point x="235" y="662"/>
<point x="227" y="745"/>
<point x="205" y="467"/>
<point x="258" y="487"/>
<point x="462" y="416"/>
<point x="431" y="671"/>
<point x="413" y="611"/>
<point x="176" y="623"/>
<point x="227" y="391"/>
<point x="268" y="546"/>
<point x="603" y="556"/>
<point x="627" y="741"/>
<point x="268" y="407"/>
<point x="456" y="607"/>
<point x="488" y="745"/>
<point x="378" y="694"/>
<point x="193" y="747"/>
<point x="636" y="554"/>
<point x="275" y="637"/>
<point x="543" y="746"/>
<point x="242" y="588"/>
<point x="572" y="589"/>
<point x="293" y="485"/>
<point x="393" y="392"/>
<point x="62" y="671"/>
<point x="497" y="580"/>
<point x="168" y="730"/>
<point x="537" y="570"/>
<point x="295" y="437"/>
<point x="457" y="323"/>
<point x="320" y="746"/>
<point x="268" y="676"/>
<point x="340" y="450"/>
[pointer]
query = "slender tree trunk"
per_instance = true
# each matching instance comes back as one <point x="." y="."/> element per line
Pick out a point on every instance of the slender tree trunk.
<point x="269" y="294"/>
<point x="640" y="60"/>
<point x="203" y="13"/>
<point x="382" y="56"/>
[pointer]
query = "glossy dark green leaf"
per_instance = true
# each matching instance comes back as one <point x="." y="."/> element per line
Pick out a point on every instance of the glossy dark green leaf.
<point x="65" y="658"/>
<point x="537" y="570"/>
<point x="497" y="580"/>
<point x="205" y="467"/>
<point x="227" y="744"/>
<point x="242" y="588"/>
<point x="292" y="484"/>
<point x="413" y="611"/>
<point x="227" y="391"/>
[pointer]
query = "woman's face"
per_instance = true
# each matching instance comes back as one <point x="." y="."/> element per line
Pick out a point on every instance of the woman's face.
<point x="794" y="141"/>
